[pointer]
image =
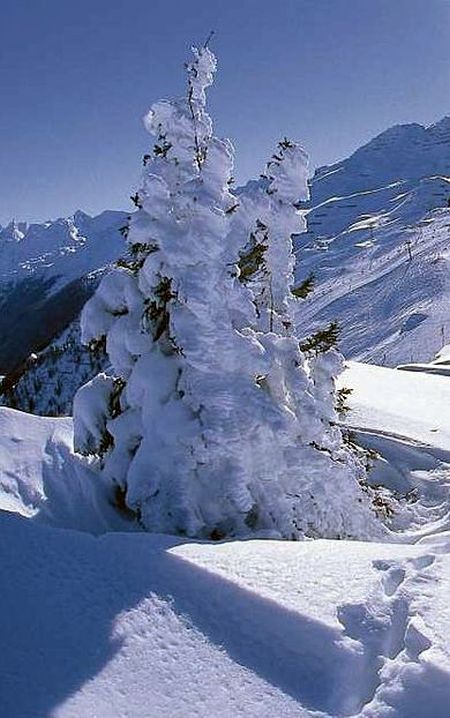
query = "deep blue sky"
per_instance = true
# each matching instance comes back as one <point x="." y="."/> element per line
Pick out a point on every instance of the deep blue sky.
<point x="76" y="76"/>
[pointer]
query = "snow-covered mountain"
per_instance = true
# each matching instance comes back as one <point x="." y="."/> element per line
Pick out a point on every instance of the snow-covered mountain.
<point x="60" y="250"/>
<point x="47" y="272"/>
<point x="377" y="243"/>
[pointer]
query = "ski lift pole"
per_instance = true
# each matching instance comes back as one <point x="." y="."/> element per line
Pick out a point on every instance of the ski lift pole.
<point x="408" y="248"/>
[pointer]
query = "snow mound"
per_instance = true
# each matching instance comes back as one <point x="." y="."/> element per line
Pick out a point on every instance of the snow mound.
<point x="409" y="405"/>
<point x="402" y="418"/>
<point x="41" y="479"/>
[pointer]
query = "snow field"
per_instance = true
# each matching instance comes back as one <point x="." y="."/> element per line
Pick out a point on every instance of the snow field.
<point x="131" y="625"/>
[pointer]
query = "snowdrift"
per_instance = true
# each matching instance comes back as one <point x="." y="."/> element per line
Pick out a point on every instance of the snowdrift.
<point x="41" y="479"/>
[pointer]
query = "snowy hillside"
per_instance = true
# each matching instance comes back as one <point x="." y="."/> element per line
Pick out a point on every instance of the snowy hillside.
<point x="378" y="246"/>
<point x="46" y="382"/>
<point x="133" y="624"/>
<point x="47" y="271"/>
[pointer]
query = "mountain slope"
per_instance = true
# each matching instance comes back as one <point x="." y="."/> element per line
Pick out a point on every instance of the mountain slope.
<point x="46" y="382"/>
<point x="47" y="273"/>
<point x="377" y="242"/>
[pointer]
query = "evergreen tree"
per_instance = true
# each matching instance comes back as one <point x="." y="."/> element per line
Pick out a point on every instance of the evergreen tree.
<point x="302" y="290"/>
<point x="302" y="374"/>
<point x="265" y="221"/>
<point x="173" y="436"/>
<point x="207" y="424"/>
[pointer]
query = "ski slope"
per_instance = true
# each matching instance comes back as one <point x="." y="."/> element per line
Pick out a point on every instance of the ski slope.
<point x="377" y="243"/>
<point x="114" y="624"/>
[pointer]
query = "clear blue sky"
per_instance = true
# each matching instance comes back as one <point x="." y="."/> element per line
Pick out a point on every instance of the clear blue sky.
<point x="77" y="76"/>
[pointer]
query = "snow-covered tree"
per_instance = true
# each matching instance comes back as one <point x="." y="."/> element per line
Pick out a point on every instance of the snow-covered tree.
<point x="302" y="373"/>
<point x="265" y="219"/>
<point x="207" y="423"/>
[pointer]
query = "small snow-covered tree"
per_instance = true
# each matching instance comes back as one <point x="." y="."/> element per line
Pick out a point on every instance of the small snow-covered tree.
<point x="265" y="220"/>
<point x="302" y="374"/>
<point x="207" y="422"/>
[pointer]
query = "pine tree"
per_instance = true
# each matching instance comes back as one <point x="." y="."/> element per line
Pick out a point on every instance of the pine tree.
<point x="207" y="423"/>
<point x="272" y="204"/>
<point x="302" y="290"/>
<point x="302" y="374"/>
<point x="174" y="441"/>
<point x="265" y="221"/>
<point x="321" y="341"/>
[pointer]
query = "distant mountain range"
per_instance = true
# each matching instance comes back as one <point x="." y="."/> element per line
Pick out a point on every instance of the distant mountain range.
<point x="47" y="272"/>
<point x="378" y="244"/>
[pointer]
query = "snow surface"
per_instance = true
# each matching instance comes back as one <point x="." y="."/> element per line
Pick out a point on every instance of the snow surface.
<point x="130" y="625"/>
<point x="139" y="626"/>
<point x="402" y="418"/>
<point x="405" y="404"/>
